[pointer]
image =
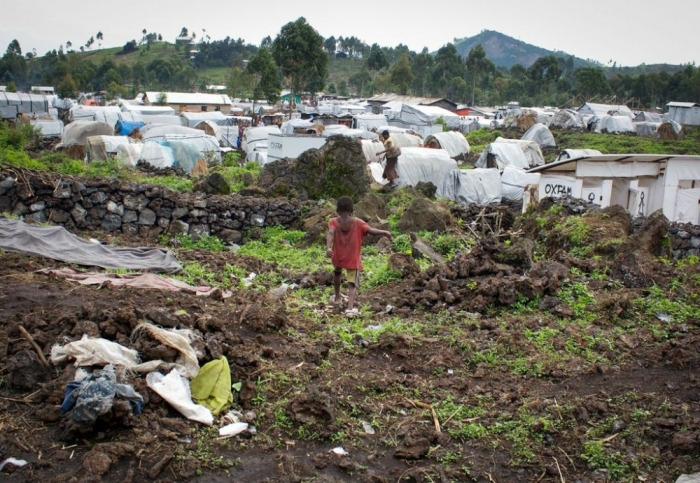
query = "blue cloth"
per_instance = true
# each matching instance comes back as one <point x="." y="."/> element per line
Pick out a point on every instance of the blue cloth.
<point x="124" y="128"/>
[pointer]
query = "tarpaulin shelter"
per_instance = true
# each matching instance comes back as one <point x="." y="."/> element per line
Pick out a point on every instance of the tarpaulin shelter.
<point x="295" y="125"/>
<point x="614" y="124"/>
<point x="124" y="128"/>
<point x="577" y="153"/>
<point x="646" y="129"/>
<point x="418" y="164"/>
<point x="540" y="134"/>
<point x="49" y="129"/>
<point x="160" y="131"/>
<point x="108" y="114"/>
<point x="515" y="180"/>
<point x="162" y="119"/>
<point x="369" y="121"/>
<point x="131" y="116"/>
<point x="77" y="132"/>
<point x="129" y="154"/>
<point x="100" y="148"/>
<point x="416" y="117"/>
<point x="453" y="142"/>
<point x="256" y="136"/>
<point x="14" y="103"/>
<point x="191" y="119"/>
<point x="181" y="151"/>
<point x="149" y="110"/>
<point x="470" y="186"/>
<point x="567" y="119"/>
<point x="500" y="155"/>
<point x="644" y="116"/>
<point x="530" y="149"/>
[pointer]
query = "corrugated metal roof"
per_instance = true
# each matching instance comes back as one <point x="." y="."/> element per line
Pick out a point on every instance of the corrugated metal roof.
<point x="403" y="99"/>
<point x="191" y="98"/>
<point x="570" y="164"/>
<point x="683" y="104"/>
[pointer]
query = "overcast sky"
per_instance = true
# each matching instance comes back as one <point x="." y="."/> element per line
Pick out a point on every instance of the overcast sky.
<point x="629" y="32"/>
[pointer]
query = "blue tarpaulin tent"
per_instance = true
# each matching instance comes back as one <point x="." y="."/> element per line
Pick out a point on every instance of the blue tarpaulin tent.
<point x="124" y="128"/>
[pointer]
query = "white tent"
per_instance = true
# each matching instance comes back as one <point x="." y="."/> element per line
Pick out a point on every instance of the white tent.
<point x="256" y="136"/>
<point x="148" y="110"/>
<point x="471" y="186"/>
<point x="600" y="110"/>
<point x="370" y="150"/>
<point x="133" y="116"/>
<point x="160" y="131"/>
<point x="452" y="141"/>
<point x="500" y="155"/>
<point x="421" y="164"/>
<point x="162" y="119"/>
<point x="288" y="127"/>
<point x="191" y="119"/>
<point x="427" y="115"/>
<point x="515" y="180"/>
<point x="100" y="148"/>
<point x="157" y="154"/>
<point x="577" y="153"/>
<point x="567" y="119"/>
<point x="644" y="116"/>
<point x="540" y="134"/>
<point x="77" y="132"/>
<point x="13" y="103"/>
<point x="614" y="124"/>
<point x="646" y="129"/>
<point x="49" y="129"/>
<point x="370" y="121"/>
<point x="396" y="130"/>
<point x="530" y="149"/>
<point x="108" y="114"/>
<point x="129" y="154"/>
<point x="406" y="140"/>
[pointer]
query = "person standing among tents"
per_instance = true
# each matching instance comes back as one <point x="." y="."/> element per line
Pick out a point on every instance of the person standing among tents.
<point x="392" y="157"/>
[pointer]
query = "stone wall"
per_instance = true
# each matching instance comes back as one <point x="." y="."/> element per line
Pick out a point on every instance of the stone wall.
<point x="135" y="209"/>
<point x="684" y="239"/>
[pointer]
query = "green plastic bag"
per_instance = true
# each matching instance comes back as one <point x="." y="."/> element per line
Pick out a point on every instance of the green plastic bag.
<point x="212" y="386"/>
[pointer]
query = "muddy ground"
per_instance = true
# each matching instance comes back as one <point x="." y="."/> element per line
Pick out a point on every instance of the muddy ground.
<point x="614" y="399"/>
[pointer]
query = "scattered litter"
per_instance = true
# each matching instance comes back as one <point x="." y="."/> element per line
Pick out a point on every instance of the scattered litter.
<point x="339" y="451"/>
<point x="450" y="371"/>
<point x="212" y="386"/>
<point x="248" y="281"/>
<point x="232" y="416"/>
<point x="175" y="389"/>
<point x="388" y="309"/>
<point x="184" y="439"/>
<point x="367" y="427"/>
<point x="664" y="317"/>
<point x="97" y="242"/>
<point x="233" y="247"/>
<point x="177" y="339"/>
<point x="374" y="327"/>
<point x="93" y="395"/>
<point x="12" y="461"/>
<point x="233" y="429"/>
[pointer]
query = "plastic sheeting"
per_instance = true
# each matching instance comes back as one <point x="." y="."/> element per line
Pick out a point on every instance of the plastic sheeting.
<point x="646" y="129"/>
<point x="406" y="140"/>
<point x="288" y="127"/>
<point x="577" y="153"/>
<point x="421" y="164"/>
<point x="515" y="180"/>
<point x="427" y="115"/>
<point x="644" y="116"/>
<point x="49" y="129"/>
<point x="162" y="119"/>
<point x="158" y="132"/>
<point x="530" y="149"/>
<point x="124" y="128"/>
<point x="614" y="124"/>
<point x="370" y="150"/>
<point x="57" y="243"/>
<point x="23" y="103"/>
<point x="471" y="186"/>
<point x="254" y="136"/>
<point x="108" y="114"/>
<point x="540" y="134"/>
<point x="500" y="155"/>
<point x="76" y="133"/>
<point x="369" y="122"/>
<point x="131" y="117"/>
<point x="100" y="148"/>
<point x="191" y="119"/>
<point x="149" y="110"/>
<point x="176" y="390"/>
<point x="181" y="151"/>
<point x="129" y="154"/>
<point x="453" y="142"/>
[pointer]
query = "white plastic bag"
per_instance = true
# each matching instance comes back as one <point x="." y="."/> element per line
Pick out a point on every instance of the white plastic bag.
<point x="233" y="429"/>
<point x="176" y="390"/>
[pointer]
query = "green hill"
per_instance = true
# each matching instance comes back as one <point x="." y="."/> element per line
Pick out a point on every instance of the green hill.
<point x="505" y="51"/>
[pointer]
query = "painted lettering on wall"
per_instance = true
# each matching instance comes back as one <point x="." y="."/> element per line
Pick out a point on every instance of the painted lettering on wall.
<point x="274" y="145"/>
<point x="551" y="189"/>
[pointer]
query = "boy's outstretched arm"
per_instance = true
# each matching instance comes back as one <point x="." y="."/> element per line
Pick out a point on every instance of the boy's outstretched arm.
<point x="374" y="231"/>
<point x="329" y="242"/>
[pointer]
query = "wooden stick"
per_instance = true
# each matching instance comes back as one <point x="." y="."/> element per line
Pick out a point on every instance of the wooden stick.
<point x="28" y="336"/>
<point x="432" y="410"/>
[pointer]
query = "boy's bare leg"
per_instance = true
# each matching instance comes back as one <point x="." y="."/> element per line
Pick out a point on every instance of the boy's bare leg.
<point x="352" y="290"/>
<point x="336" y="284"/>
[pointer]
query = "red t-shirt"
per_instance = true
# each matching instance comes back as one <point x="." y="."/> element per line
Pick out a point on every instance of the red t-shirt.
<point x="348" y="244"/>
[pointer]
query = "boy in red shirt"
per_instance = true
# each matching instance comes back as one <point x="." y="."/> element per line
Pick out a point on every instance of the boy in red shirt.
<point x="343" y="245"/>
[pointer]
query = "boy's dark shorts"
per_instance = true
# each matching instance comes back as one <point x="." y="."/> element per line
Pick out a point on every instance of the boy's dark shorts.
<point x="352" y="276"/>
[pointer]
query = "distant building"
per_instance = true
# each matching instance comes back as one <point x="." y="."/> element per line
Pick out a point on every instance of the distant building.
<point x="687" y="113"/>
<point x="45" y="90"/>
<point x="192" y="102"/>
<point x="379" y="100"/>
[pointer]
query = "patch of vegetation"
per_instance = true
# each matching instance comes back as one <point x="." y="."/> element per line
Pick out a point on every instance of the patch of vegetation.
<point x="479" y="139"/>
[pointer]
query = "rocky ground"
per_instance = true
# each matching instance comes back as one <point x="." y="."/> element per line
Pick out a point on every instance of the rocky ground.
<point x="560" y="348"/>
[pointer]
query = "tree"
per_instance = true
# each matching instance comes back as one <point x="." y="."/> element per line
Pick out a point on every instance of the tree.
<point x="421" y="67"/>
<point x="263" y="67"/>
<point x="11" y="87"/>
<point x="478" y="64"/>
<point x="329" y="44"/>
<point x="266" y="42"/>
<point x="99" y="37"/>
<point x="448" y="65"/>
<point x="591" y="81"/>
<point x="401" y="75"/>
<point x="238" y="83"/>
<point x="362" y="81"/>
<point x="298" y="51"/>
<point x="377" y="58"/>
<point x="161" y="99"/>
<point x="183" y="32"/>
<point x="343" y="88"/>
<point x="13" y="49"/>
<point x="67" y="89"/>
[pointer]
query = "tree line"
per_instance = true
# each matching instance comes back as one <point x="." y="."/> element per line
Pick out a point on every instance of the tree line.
<point x="298" y="59"/>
